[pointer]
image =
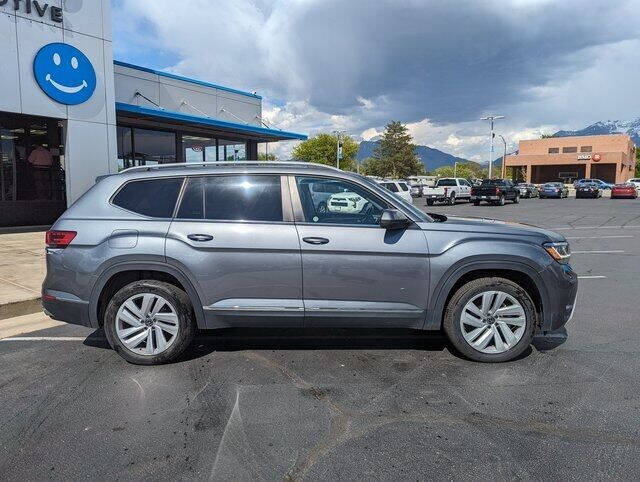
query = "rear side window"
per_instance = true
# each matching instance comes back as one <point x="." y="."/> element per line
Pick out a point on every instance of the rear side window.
<point x="403" y="186"/>
<point x="155" y="198"/>
<point x="232" y="198"/>
<point x="390" y="186"/>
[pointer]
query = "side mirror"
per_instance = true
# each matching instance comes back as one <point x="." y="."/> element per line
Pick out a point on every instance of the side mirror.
<point x="394" y="219"/>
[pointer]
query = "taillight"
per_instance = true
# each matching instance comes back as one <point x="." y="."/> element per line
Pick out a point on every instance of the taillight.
<point x="59" y="239"/>
<point x="497" y="191"/>
<point x="473" y="191"/>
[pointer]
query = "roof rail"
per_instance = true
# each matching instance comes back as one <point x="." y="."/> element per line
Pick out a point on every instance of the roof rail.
<point x="228" y="164"/>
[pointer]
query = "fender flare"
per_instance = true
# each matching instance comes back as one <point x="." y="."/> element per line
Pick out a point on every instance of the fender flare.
<point x="436" y="308"/>
<point x="107" y="274"/>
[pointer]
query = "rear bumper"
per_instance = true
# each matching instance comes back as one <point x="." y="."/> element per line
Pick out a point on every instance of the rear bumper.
<point x="562" y="289"/>
<point x="65" y="307"/>
<point x="485" y="198"/>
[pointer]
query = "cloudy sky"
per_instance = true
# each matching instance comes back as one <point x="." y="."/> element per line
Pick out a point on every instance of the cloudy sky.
<point x="437" y="65"/>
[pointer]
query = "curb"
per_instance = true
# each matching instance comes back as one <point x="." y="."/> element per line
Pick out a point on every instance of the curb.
<point x="19" y="308"/>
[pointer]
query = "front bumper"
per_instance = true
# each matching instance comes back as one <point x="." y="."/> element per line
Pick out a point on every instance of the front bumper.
<point x="561" y="283"/>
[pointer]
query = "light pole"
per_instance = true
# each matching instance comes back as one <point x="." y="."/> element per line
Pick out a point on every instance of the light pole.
<point x="338" y="133"/>
<point x="491" y="118"/>
<point x="504" y="157"/>
<point x="455" y="169"/>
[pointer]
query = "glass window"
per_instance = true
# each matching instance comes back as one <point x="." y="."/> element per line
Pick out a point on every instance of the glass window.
<point x="391" y="186"/>
<point x="446" y="182"/>
<point x="231" y="150"/>
<point x="192" y="205"/>
<point x="339" y="202"/>
<point x="199" y="149"/>
<point x="569" y="150"/>
<point x="155" y="198"/>
<point x="554" y="150"/>
<point x="154" y="147"/>
<point x="403" y="186"/>
<point x="586" y="148"/>
<point x="237" y="198"/>
<point x="124" y="139"/>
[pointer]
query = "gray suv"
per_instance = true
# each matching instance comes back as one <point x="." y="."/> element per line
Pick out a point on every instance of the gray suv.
<point x="153" y="253"/>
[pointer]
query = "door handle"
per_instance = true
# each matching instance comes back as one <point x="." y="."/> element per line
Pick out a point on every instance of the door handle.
<point x="200" y="237"/>
<point x="315" y="240"/>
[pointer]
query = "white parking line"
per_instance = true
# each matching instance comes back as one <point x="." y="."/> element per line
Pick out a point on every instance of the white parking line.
<point x="592" y="277"/>
<point x="565" y="228"/>
<point x="600" y="237"/>
<point x="614" y="251"/>
<point x="45" y="338"/>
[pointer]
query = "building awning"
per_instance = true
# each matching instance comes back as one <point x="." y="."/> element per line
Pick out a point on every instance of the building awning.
<point x="259" y="134"/>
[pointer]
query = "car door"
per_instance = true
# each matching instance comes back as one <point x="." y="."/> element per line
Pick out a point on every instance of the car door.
<point x="465" y="188"/>
<point x="235" y="236"/>
<point x="354" y="272"/>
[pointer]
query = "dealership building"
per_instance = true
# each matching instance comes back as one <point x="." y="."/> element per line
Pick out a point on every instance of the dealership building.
<point x="611" y="158"/>
<point x="69" y="113"/>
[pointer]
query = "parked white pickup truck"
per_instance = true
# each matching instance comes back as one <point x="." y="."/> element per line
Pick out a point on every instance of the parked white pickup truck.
<point x="448" y="190"/>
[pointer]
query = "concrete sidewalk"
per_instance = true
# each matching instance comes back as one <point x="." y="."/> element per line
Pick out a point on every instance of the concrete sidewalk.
<point x="22" y="270"/>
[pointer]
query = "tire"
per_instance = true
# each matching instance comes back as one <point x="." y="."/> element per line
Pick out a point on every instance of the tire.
<point x="502" y="201"/>
<point x="491" y="353"/>
<point x="429" y="202"/>
<point x="177" y="314"/>
<point x="451" y="200"/>
<point x="476" y="203"/>
<point x="516" y="200"/>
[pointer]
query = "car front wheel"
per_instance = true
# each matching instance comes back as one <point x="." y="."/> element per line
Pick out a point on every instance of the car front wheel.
<point x="149" y="322"/>
<point x="490" y="320"/>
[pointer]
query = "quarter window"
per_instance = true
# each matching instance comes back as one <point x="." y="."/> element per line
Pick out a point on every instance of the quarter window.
<point x="155" y="198"/>
<point x="232" y="198"/>
<point x="335" y="201"/>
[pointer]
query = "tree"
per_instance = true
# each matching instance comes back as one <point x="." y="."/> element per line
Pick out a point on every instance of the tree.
<point x="395" y="155"/>
<point x="468" y="170"/>
<point x="267" y="157"/>
<point x="373" y="167"/>
<point x="322" y="149"/>
<point x="637" y="173"/>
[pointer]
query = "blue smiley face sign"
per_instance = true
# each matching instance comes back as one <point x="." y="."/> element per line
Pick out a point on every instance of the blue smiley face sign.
<point x="64" y="73"/>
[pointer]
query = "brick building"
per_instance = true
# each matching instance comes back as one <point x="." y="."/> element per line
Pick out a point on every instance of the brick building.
<point x="611" y="158"/>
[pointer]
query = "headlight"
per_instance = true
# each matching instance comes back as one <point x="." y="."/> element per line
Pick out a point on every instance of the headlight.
<point x="559" y="251"/>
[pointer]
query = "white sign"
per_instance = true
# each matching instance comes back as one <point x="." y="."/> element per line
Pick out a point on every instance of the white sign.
<point x="584" y="157"/>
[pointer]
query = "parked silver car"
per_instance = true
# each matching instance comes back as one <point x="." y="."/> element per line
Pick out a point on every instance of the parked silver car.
<point x="153" y="253"/>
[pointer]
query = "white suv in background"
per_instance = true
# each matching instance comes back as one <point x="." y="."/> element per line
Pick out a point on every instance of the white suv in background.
<point x="399" y="188"/>
<point x="635" y="181"/>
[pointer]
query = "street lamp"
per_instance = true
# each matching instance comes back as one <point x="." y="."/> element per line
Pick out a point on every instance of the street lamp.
<point x="504" y="157"/>
<point x="491" y="118"/>
<point x="455" y="169"/>
<point x="338" y="133"/>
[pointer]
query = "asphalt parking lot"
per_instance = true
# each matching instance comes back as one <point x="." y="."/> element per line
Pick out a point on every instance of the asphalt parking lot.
<point x="349" y="405"/>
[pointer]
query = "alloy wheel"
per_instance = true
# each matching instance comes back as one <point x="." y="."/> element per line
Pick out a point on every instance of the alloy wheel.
<point x="147" y="324"/>
<point x="493" y="322"/>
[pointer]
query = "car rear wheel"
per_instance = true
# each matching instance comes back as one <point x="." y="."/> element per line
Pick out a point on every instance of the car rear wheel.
<point x="516" y="200"/>
<point x="149" y="322"/>
<point x="451" y="200"/>
<point x="476" y="203"/>
<point x="501" y="201"/>
<point x="490" y="320"/>
<point x="429" y="202"/>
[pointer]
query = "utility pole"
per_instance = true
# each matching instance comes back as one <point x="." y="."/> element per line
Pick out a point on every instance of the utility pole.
<point x="491" y="118"/>
<point x="338" y="134"/>
<point x="504" y="157"/>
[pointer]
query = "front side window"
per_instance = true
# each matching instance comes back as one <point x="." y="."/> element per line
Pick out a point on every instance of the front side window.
<point x="339" y="202"/>
<point x="155" y="198"/>
<point x="232" y="198"/>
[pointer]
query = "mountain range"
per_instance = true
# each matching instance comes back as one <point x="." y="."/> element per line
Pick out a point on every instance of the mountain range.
<point x="430" y="157"/>
<point x="632" y="128"/>
<point x="434" y="158"/>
